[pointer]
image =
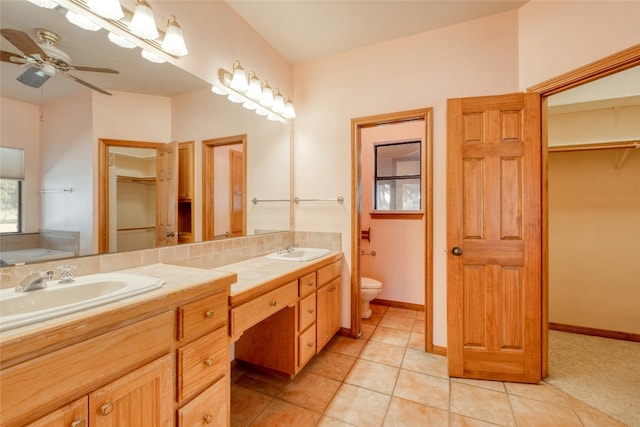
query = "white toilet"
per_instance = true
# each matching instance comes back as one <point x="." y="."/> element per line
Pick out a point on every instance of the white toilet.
<point x="369" y="289"/>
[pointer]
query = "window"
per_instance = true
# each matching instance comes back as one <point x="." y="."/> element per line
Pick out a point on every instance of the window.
<point x="397" y="177"/>
<point x="10" y="203"/>
<point x="11" y="176"/>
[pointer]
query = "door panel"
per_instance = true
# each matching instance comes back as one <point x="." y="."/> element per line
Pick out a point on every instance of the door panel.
<point x="494" y="222"/>
<point x="167" y="195"/>
<point x="237" y="215"/>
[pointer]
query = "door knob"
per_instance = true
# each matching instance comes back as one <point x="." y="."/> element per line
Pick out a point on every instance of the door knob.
<point x="170" y="234"/>
<point x="456" y="251"/>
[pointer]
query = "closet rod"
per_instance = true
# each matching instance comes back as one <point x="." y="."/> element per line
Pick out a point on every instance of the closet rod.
<point x="595" y="146"/>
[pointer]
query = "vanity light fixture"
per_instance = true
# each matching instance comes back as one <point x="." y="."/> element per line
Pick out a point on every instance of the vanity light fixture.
<point x="253" y="94"/>
<point x="143" y="23"/>
<point x="109" y="9"/>
<point x="125" y="28"/>
<point x="173" y="41"/>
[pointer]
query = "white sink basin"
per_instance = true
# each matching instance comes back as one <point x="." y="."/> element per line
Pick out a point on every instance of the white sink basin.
<point x="23" y="308"/>
<point x="300" y="254"/>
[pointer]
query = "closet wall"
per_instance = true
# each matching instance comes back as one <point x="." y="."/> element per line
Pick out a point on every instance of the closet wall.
<point x="594" y="221"/>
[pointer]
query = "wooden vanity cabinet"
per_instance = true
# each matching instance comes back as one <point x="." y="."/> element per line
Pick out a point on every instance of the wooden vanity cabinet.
<point x="328" y="318"/>
<point x="286" y="339"/>
<point x="75" y="414"/>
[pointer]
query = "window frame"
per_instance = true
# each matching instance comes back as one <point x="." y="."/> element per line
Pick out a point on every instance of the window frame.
<point x="398" y="214"/>
<point x="20" y="208"/>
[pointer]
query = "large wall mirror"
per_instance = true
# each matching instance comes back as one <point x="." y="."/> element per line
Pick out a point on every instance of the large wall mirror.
<point x="61" y="124"/>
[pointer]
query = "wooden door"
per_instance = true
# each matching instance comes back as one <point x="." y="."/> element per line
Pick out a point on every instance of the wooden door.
<point x="143" y="398"/>
<point x="236" y="161"/>
<point x="167" y="195"/>
<point x="494" y="267"/>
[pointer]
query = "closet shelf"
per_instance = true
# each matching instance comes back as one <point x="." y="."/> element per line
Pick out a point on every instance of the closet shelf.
<point x="595" y="146"/>
<point x="137" y="179"/>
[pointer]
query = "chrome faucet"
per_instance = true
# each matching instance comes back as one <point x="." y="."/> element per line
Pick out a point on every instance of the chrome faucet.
<point x="35" y="280"/>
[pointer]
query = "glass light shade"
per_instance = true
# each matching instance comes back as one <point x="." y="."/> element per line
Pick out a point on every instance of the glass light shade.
<point x="234" y="98"/>
<point x="109" y="9"/>
<point x="150" y="56"/>
<point x="289" y="112"/>
<point x="278" y="103"/>
<point x="218" y="90"/>
<point x="48" y="4"/>
<point x="173" y="42"/>
<point x="81" y="21"/>
<point x="239" y="79"/>
<point x="143" y="23"/>
<point x="249" y="105"/>
<point x="272" y="117"/>
<point x="255" y="88"/>
<point x="267" y="96"/>
<point x="120" y="41"/>
<point x="262" y="111"/>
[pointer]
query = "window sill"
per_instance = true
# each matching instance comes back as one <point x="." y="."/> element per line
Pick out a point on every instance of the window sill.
<point x="396" y="215"/>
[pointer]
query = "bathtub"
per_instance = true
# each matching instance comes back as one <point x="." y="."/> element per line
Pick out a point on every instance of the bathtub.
<point x="22" y="256"/>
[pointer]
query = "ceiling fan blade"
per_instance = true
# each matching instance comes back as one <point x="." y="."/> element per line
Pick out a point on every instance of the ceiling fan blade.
<point x="11" y="57"/>
<point x="87" y="84"/>
<point x="94" y="69"/>
<point x="22" y="41"/>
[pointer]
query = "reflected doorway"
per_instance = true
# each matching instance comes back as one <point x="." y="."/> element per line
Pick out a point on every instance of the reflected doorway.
<point x="224" y="187"/>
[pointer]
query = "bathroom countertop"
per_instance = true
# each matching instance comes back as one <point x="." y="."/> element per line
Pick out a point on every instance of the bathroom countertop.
<point x="260" y="275"/>
<point x="182" y="284"/>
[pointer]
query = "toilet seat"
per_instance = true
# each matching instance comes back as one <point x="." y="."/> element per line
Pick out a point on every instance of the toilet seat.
<point x="369" y="283"/>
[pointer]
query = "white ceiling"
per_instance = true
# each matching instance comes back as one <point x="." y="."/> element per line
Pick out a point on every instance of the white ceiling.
<point x="306" y="30"/>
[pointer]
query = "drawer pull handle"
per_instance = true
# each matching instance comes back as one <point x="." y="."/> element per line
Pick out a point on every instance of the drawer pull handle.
<point x="310" y="344"/>
<point x="106" y="409"/>
<point x="333" y="288"/>
<point x="79" y="423"/>
<point x="208" y="314"/>
<point x="310" y="284"/>
<point x="208" y="361"/>
<point x="273" y="303"/>
<point x="207" y="419"/>
<point x="310" y="311"/>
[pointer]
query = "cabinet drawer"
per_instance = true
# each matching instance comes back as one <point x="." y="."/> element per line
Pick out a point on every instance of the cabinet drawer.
<point x="211" y="407"/>
<point x="201" y="362"/>
<point x="307" y="284"/>
<point x="307" y="345"/>
<point x="202" y="316"/>
<point x="329" y="272"/>
<point x="307" y="314"/>
<point x="253" y="312"/>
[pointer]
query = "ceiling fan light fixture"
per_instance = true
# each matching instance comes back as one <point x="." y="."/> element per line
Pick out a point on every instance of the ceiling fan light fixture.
<point x="143" y="24"/>
<point x="173" y="42"/>
<point x="81" y="21"/>
<point x="150" y="56"/>
<point x="120" y="41"/>
<point x="109" y="9"/>
<point x="47" y="4"/>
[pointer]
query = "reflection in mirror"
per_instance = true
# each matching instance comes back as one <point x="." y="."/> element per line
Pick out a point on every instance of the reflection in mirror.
<point x="59" y="126"/>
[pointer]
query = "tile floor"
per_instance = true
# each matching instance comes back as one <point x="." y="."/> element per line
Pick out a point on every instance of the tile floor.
<point x="386" y="379"/>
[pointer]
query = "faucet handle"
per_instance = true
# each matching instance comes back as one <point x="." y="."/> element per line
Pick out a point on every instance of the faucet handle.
<point x="67" y="273"/>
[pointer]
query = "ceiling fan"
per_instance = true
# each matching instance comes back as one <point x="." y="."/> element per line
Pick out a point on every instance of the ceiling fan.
<point x="44" y="59"/>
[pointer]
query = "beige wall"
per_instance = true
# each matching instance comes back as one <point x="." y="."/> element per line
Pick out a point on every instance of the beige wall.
<point x="26" y="136"/>
<point x="493" y="55"/>
<point x="594" y="240"/>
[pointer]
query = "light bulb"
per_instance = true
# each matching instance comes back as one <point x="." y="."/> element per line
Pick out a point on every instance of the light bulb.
<point x="267" y="96"/>
<point x="289" y="112"/>
<point x="255" y="88"/>
<point x="278" y="103"/>
<point x="239" y="79"/>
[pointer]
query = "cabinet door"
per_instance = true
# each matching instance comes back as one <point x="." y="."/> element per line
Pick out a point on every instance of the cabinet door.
<point x="143" y="398"/>
<point x="74" y="414"/>
<point x="328" y="319"/>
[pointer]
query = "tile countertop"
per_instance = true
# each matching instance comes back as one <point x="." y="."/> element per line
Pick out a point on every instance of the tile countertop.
<point x="182" y="284"/>
<point x="258" y="276"/>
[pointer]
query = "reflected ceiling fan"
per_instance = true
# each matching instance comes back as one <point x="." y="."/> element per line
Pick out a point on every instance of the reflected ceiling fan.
<point x="44" y="59"/>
